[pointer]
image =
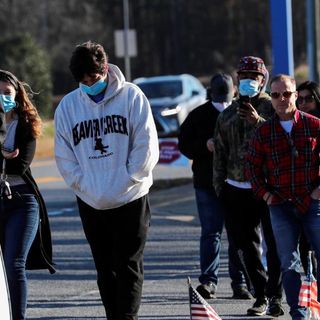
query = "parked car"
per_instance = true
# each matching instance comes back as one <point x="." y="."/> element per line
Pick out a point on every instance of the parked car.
<point x="172" y="97"/>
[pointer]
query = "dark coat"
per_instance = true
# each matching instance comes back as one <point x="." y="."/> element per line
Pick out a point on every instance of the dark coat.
<point x="194" y="133"/>
<point x="40" y="255"/>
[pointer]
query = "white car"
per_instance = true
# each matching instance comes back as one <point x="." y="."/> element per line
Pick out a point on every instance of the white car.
<point x="172" y="97"/>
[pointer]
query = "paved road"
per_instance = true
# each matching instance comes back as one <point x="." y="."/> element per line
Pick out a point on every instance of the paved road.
<point x="172" y="254"/>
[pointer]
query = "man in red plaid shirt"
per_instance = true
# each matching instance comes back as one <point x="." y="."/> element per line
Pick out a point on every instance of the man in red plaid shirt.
<point x="283" y="167"/>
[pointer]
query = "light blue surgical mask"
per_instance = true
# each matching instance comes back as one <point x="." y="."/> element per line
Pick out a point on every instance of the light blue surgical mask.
<point x="7" y="102"/>
<point x="249" y="87"/>
<point x="95" y="89"/>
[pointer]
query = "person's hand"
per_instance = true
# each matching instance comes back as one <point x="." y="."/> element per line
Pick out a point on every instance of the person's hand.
<point x="315" y="195"/>
<point x="10" y="155"/>
<point x="248" y="113"/>
<point x="268" y="198"/>
<point x="210" y="145"/>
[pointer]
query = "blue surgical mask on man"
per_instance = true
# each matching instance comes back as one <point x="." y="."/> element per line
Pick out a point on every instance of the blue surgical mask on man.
<point x="95" y="89"/>
<point x="249" y="87"/>
<point x="7" y="102"/>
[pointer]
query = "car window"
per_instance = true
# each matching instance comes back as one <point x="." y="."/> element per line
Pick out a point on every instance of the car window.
<point x="161" y="89"/>
<point x="193" y="86"/>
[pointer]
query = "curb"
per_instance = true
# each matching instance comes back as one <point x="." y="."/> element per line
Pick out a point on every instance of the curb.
<point x="160" y="184"/>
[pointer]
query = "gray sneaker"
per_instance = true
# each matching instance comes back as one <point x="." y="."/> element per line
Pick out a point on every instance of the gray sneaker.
<point x="207" y="290"/>
<point x="241" y="293"/>
<point x="259" y="308"/>
<point x="275" y="308"/>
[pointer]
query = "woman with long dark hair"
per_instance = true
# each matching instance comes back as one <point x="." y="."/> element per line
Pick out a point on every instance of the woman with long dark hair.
<point x="309" y="97"/>
<point x="24" y="227"/>
<point x="308" y="101"/>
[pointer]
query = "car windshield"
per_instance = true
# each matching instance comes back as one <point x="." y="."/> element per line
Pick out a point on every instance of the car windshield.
<point x="161" y="89"/>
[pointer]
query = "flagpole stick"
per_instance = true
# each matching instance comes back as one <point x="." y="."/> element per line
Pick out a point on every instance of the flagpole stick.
<point x="309" y="263"/>
<point x="189" y="290"/>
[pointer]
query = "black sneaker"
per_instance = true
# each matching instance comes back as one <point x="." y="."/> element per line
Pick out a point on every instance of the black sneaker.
<point x="259" y="308"/>
<point x="241" y="293"/>
<point x="207" y="290"/>
<point x="275" y="308"/>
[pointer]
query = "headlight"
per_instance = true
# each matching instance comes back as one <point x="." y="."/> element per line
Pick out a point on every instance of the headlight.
<point x="170" y="111"/>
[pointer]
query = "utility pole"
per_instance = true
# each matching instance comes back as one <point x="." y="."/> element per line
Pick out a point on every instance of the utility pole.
<point x="126" y="39"/>
<point x="44" y="24"/>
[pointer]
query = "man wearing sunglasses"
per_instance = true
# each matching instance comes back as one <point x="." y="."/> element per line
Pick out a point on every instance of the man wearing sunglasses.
<point x="243" y="212"/>
<point x="283" y="167"/>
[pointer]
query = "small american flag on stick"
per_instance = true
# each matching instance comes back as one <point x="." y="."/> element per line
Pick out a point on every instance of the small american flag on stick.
<point x="199" y="308"/>
<point x="308" y="295"/>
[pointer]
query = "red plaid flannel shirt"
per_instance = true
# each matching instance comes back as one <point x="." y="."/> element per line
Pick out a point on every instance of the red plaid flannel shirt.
<point x="285" y="165"/>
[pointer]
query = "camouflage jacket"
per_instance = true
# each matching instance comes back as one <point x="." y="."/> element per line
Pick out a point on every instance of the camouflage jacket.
<point x="231" y="139"/>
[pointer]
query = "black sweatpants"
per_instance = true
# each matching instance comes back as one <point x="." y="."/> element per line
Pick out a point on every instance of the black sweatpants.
<point x="117" y="239"/>
<point x="244" y="214"/>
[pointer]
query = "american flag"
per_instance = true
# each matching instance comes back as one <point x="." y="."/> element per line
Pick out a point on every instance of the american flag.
<point x="199" y="308"/>
<point x="308" y="295"/>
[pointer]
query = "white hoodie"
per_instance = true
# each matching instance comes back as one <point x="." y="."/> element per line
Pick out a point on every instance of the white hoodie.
<point x="106" y="151"/>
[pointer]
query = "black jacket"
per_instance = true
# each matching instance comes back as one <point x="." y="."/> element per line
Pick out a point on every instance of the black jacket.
<point x="194" y="133"/>
<point x="40" y="255"/>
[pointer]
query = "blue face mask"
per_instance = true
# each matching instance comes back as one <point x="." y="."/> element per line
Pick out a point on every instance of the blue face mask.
<point x="249" y="87"/>
<point x="7" y="102"/>
<point x="95" y="89"/>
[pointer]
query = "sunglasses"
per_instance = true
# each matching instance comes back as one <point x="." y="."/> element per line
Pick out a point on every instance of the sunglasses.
<point x="277" y="95"/>
<point x="306" y="99"/>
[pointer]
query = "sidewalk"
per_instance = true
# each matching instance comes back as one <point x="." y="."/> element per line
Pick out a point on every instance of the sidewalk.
<point x="170" y="172"/>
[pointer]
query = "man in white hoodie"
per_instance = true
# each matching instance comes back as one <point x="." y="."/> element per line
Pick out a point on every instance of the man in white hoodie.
<point x="106" y="147"/>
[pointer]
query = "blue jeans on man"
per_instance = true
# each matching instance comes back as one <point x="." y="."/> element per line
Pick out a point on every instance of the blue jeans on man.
<point x="287" y="223"/>
<point x="212" y="219"/>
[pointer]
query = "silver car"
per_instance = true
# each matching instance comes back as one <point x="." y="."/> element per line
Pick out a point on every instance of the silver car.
<point x="171" y="98"/>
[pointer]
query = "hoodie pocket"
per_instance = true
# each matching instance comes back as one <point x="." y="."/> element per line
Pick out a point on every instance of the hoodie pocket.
<point x="107" y="189"/>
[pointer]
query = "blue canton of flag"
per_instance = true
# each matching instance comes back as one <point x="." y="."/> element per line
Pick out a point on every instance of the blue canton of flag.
<point x="199" y="308"/>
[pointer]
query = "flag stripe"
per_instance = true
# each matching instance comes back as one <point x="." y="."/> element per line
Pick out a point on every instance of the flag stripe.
<point x="201" y="314"/>
<point x="201" y="318"/>
<point x="203" y="309"/>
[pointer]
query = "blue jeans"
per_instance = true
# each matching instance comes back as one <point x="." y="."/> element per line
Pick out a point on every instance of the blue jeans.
<point x="211" y="220"/>
<point x="19" y="219"/>
<point x="287" y="223"/>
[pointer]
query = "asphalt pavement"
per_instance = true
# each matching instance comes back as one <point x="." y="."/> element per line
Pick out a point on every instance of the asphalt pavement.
<point x="171" y="255"/>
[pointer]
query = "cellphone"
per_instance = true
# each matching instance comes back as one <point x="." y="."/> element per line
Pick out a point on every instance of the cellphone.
<point x="7" y="149"/>
<point x="242" y="101"/>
